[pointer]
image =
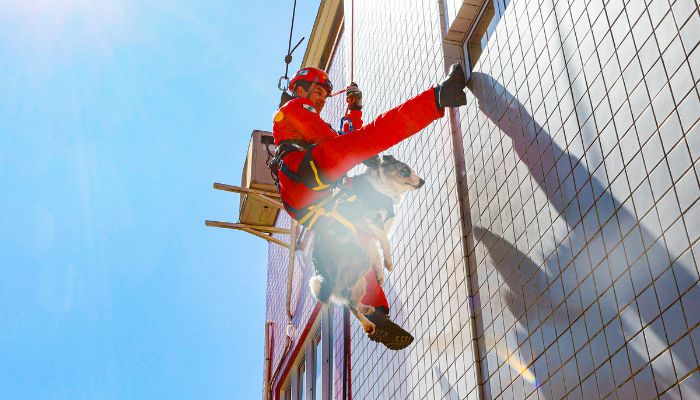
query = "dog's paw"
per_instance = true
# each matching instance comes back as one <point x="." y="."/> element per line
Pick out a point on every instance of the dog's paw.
<point x="389" y="266"/>
<point x="364" y="309"/>
<point x="380" y="277"/>
<point x="369" y="328"/>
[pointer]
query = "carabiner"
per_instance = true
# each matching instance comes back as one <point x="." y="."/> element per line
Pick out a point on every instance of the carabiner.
<point x="342" y="123"/>
<point x="279" y="84"/>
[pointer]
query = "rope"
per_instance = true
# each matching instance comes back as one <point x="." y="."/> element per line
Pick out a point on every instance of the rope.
<point x="352" y="41"/>
<point x="290" y="270"/>
<point x="352" y="48"/>
<point x="290" y="50"/>
<point x="288" y="58"/>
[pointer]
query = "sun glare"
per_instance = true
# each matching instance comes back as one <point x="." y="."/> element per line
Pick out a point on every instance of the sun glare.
<point x="75" y="21"/>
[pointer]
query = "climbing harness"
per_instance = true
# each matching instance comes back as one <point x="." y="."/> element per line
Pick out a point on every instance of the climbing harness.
<point x="283" y="149"/>
<point x="307" y="174"/>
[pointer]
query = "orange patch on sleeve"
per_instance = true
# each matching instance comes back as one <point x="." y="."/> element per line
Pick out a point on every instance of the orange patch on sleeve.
<point x="279" y="116"/>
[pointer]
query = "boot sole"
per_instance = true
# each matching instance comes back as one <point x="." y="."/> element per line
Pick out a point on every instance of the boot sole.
<point x="389" y="334"/>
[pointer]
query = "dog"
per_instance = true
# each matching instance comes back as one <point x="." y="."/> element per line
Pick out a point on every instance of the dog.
<point x="355" y="218"/>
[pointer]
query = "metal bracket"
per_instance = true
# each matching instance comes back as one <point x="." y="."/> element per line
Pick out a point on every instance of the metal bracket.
<point x="265" y="232"/>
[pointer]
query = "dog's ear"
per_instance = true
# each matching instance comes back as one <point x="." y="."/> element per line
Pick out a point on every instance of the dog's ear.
<point x="388" y="158"/>
<point x="372" y="163"/>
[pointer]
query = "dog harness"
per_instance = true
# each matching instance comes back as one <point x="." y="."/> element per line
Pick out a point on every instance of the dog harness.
<point x="319" y="210"/>
<point x="358" y="189"/>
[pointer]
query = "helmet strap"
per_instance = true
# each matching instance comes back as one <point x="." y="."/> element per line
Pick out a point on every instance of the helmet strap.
<point x="311" y="89"/>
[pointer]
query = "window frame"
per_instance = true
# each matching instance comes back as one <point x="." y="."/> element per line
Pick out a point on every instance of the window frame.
<point x="499" y="7"/>
<point x="287" y="391"/>
<point x="317" y="341"/>
<point x="322" y="332"/>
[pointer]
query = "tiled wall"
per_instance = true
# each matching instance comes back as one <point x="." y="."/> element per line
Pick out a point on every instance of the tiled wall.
<point x="278" y="260"/>
<point x="332" y="113"/>
<point x="581" y="145"/>
<point x="302" y="303"/>
<point x="398" y="54"/>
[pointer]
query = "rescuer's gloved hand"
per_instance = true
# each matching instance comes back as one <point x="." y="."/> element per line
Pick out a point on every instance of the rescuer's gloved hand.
<point x="353" y="96"/>
<point x="450" y="92"/>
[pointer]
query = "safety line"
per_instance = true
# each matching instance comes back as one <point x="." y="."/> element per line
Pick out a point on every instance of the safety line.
<point x="288" y="58"/>
<point x="352" y="41"/>
<point x="290" y="50"/>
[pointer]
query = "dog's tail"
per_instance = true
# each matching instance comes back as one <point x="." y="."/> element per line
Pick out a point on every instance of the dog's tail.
<point x="320" y="291"/>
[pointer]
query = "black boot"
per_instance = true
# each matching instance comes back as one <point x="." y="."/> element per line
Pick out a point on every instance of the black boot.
<point x="387" y="332"/>
<point x="450" y="92"/>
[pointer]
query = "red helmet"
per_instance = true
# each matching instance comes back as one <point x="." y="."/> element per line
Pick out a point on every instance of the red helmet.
<point x="312" y="75"/>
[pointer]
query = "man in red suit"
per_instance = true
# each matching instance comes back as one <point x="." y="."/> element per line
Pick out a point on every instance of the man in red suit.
<point x="312" y="157"/>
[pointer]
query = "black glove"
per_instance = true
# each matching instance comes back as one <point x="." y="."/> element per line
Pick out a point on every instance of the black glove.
<point x="353" y="96"/>
<point x="450" y="92"/>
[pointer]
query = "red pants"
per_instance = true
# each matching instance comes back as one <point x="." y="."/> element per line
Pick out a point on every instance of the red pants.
<point x="375" y="295"/>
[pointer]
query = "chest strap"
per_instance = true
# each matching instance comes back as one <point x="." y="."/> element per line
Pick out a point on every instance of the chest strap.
<point x="314" y="212"/>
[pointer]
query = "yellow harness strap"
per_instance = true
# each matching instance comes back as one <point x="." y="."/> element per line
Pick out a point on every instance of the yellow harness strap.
<point x="317" y="211"/>
<point x="313" y="210"/>
<point x="321" y="185"/>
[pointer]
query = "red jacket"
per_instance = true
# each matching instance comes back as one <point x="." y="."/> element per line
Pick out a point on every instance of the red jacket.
<point x="299" y="120"/>
<point x="335" y="155"/>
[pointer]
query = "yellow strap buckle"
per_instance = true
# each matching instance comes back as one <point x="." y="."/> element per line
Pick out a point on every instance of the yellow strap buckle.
<point x="319" y="211"/>
<point x="321" y="185"/>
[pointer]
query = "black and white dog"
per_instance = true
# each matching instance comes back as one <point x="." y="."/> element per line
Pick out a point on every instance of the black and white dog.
<point x="358" y="216"/>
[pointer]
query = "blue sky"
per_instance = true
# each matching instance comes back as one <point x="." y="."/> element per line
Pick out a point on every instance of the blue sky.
<point x="115" y="119"/>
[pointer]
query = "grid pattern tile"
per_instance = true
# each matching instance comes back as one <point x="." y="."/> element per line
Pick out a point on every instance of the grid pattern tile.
<point x="302" y="303"/>
<point x="398" y="54"/>
<point x="332" y="112"/>
<point x="582" y="173"/>
<point x="582" y="150"/>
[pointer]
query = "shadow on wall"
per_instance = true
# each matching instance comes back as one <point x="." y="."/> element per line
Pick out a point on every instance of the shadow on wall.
<point x="448" y="390"/>
<point x="598" y="295"/>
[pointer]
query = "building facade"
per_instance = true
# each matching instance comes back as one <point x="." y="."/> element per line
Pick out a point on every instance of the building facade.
<point x="553" y="251"/>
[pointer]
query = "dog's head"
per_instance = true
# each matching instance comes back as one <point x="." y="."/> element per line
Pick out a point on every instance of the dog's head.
<point x="397" y="175"/>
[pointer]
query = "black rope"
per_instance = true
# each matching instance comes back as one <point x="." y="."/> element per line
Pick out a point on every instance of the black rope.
<point x="288" y="58"/>
<point x="290" y="50"/>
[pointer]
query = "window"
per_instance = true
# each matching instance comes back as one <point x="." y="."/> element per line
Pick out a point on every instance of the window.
<point x="311" y="376"/>
<point x="302" y="380"/>
<point x="287" y="392"/>
<point x="318" y="367"/>
<point x="482" y="33"/>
